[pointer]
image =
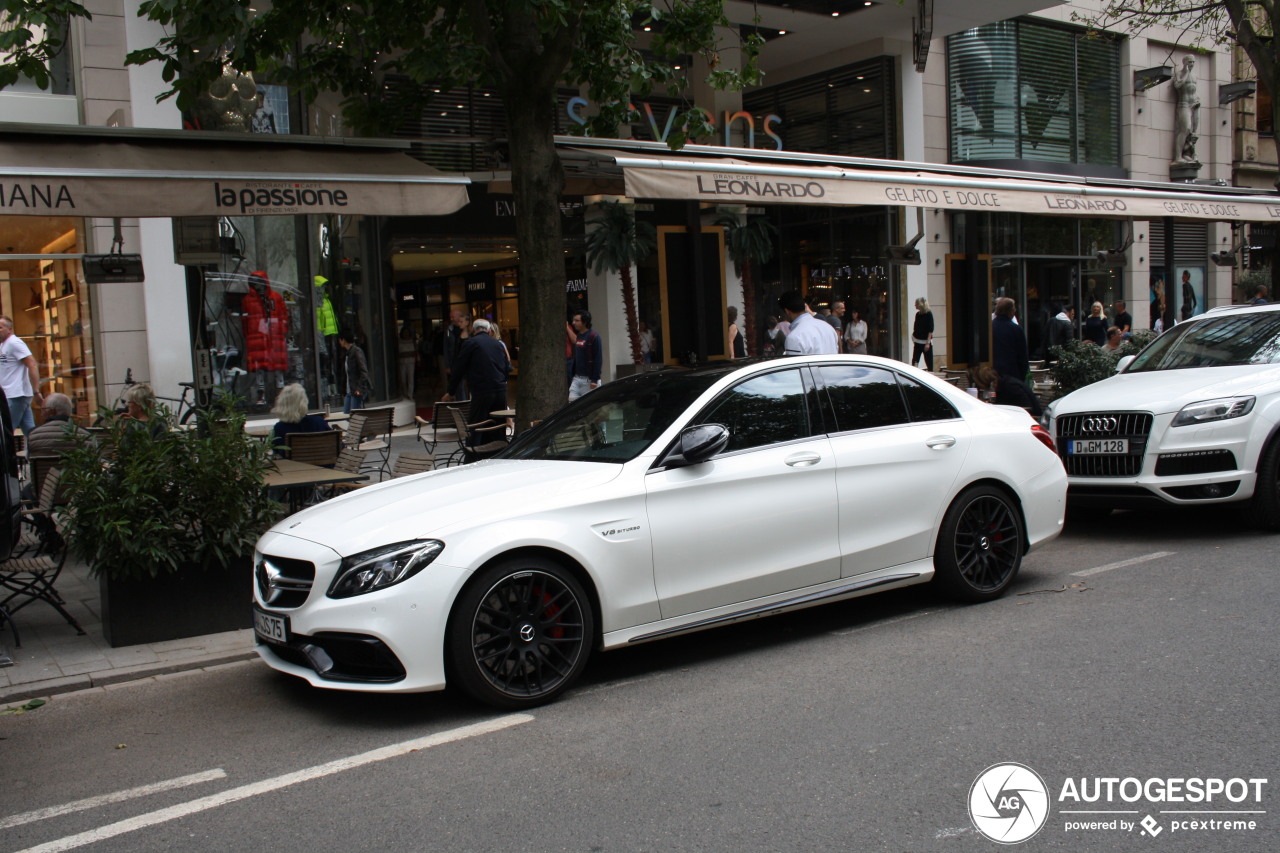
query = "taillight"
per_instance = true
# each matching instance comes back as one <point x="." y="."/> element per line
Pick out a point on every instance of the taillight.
<point x="1043" y="434"/>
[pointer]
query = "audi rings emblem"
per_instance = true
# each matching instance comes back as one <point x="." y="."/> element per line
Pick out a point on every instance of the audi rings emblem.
<point x="1099" y="424"/>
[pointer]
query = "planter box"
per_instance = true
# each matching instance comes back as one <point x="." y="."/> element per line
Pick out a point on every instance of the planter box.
<point x="187" y="603"/>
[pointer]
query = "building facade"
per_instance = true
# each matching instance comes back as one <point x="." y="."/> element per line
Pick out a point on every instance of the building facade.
<point x="973" y="95"/>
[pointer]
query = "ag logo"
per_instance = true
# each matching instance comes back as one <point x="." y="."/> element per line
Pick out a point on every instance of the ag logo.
<point x="1008" y="803"/>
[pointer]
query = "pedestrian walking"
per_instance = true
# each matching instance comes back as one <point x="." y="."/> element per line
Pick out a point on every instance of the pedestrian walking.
<point x="19" y="377"/>
<point x="588" y="354"/>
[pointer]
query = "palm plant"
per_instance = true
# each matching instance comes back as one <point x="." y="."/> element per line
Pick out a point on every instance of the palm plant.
<point x="750" y="242"/>
<point x="619" y="241"/>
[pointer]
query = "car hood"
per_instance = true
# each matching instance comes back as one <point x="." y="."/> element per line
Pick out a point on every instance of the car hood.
<point x="421" y="506"/>
<point x="1166" y="391"/>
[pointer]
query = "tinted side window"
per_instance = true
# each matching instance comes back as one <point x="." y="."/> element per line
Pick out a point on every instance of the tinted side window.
<point x="862" y="397"/>
<point x="924" y="403"/>
<point x="762" y="410"/>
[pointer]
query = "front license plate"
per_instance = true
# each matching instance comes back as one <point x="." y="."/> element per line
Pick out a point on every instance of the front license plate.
<point x="1098" y="447"/>
<point x="271" y="628"/>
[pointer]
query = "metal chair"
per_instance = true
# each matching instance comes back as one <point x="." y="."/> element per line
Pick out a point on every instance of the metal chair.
<point x="412" y="463"/>
<point x="38" y="468"/>
<point x="479" y="440"/>
<point x="369" y="430"/>
<point x="440" y="429"/>
<point x="314" y="448"/>
<point x="31" y="573"/>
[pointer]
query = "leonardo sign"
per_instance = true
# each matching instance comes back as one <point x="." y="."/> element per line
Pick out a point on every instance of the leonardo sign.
<point x="837" y="185"/>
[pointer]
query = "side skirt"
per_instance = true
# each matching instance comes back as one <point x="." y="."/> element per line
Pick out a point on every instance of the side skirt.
<point x="849" y="589"/>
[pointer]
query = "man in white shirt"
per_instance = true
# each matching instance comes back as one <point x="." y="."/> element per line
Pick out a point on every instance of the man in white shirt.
<point x="19" y="377"/>
<point x="809" y="335"/>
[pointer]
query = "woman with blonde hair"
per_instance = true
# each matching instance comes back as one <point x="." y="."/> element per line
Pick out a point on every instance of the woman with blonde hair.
<point x="1095" y="326"/>
<point x="922" y="335"/>
<point x="291" y="409"/>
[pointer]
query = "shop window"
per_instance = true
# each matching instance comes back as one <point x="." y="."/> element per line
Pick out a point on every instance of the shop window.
<point x="61" y="66"/>
<point x="847" y="111"/>
<point x="1262" y="110"/>
<point x="1027" y="91"/>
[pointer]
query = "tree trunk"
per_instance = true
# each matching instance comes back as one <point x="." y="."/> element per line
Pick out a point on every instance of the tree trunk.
<point x="537" y="180"/>
<point x="633" y="317"/>
<point x="752" y="332"/>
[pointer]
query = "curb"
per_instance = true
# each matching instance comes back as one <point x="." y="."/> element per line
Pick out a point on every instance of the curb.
<point x="72" y="683"/>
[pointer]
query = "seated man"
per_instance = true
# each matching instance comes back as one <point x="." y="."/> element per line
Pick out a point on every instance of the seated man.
<point x="56" y="435"/>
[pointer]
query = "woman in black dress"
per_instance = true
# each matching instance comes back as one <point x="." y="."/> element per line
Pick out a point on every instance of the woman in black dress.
<point x="922" y="335"/>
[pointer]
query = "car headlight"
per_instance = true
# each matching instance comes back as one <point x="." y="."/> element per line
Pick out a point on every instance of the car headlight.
<point x="1209" y="411"/>
<point x="382" y="567"/>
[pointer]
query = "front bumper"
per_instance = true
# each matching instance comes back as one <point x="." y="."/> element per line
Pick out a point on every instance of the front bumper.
<point x="1186" y="466"/>
<point x="390" y="641"/>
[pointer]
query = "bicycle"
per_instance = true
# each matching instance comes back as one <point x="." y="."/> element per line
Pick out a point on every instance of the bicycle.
<point x="182" y="413"/>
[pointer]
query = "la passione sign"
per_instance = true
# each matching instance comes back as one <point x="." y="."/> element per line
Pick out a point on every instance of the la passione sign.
<point x="849" y="187"/>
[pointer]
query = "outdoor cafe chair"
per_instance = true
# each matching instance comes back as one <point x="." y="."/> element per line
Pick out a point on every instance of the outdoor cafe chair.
<point x="440" y="429"/>
<point x="412" y="463"/>
<point x="479" y="440"/>
<point x="315" y="448"/>
<point x="369" y="430"/>
<point x="29" y="575"/>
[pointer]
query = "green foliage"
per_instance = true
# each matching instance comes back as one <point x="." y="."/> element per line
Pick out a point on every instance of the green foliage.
<point x="144" y="501"/>
<point x="1135" y="342"/>
<point x="1080" y="363"/>
<point x="618" y="239"/>
<point x="750" y="241"/>
<point x="33" y="33"/>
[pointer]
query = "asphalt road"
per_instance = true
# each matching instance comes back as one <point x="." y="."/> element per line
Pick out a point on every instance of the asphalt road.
<point x="857" y="726"/>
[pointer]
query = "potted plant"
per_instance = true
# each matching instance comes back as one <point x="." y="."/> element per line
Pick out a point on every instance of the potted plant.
<point x="750" y="244"/>
<point x="166" y="520"/>
<point x="619" y="241"/>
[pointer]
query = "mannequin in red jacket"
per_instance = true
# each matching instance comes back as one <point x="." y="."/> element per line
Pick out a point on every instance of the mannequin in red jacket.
<point x="266" y="329"/>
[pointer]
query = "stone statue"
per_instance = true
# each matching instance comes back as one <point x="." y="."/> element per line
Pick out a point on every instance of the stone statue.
<point x="1186" y="122"/>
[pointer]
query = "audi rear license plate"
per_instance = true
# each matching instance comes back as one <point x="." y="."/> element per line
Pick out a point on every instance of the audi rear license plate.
<point x="1098" y="447"/>
<point x="270" y="628"/>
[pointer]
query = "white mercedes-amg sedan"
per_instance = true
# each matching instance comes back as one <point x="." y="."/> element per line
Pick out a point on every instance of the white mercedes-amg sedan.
<point x="663" y="503"/>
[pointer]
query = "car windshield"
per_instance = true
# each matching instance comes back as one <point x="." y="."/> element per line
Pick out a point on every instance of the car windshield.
<point x="1216" y="342"/>
<point x="617" y="421"/>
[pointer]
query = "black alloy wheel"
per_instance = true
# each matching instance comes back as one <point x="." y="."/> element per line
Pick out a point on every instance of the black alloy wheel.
<point x="1263" y="509"/>
<point x="520" y="634"/>
<point x="980" y="545"/>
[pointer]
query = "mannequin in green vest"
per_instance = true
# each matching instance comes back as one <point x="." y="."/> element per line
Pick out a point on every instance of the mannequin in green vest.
<point x="327" y="326"/>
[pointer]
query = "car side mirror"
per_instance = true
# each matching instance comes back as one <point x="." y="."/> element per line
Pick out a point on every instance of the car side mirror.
<point x="1124" y="363"/>
<point x="697" y="444"/>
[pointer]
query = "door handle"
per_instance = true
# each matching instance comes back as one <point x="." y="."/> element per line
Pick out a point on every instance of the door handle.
<point x="940" y="442"/>
<point x="803" y="459"/>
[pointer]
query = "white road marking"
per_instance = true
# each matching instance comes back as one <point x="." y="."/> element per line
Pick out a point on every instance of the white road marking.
<point x="847" y="631"/>
<point x="115" y="797"/>
<point x="254" y="789"/>
<point x="1132" y="561"/>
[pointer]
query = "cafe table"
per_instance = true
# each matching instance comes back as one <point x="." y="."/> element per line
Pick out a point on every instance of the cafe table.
<point x="296" y="477"/>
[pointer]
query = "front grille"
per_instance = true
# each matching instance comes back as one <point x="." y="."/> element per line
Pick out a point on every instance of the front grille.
<point x="284" y="582"/>
<point x="1134" y="426"/>
<point x="1195" y="462"/>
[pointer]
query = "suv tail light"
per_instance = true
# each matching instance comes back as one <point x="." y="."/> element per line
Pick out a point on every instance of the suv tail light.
<point x="1043" y="434"/>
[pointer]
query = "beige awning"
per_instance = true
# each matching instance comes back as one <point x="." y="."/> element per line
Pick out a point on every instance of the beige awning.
<point x="752" y="182"/>
<point x="99" y="176"/>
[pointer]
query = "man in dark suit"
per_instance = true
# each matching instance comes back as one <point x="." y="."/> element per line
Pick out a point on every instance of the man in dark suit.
<point x="482" y="363"/>
<point x="1008" y="343"/>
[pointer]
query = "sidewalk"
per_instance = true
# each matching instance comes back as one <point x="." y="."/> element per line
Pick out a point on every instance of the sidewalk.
<point x="53" y="659"/>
